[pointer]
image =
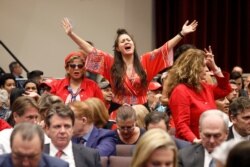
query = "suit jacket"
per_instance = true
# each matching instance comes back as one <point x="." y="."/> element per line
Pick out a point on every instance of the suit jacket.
<point x="180" y="144"/>
<point x="83" y="156"/>
<point x="103" y="140"/>
<point x="230" y="133"/>
<point x="46" y="161"/>
<point x="192" y="156"/>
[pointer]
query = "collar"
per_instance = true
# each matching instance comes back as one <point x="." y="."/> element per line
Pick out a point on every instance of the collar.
<point x="66" y="151"/>
<point x="237" y="136"/>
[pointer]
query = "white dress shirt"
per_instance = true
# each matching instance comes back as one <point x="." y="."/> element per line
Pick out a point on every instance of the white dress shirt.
<point x="67" y="155"/>
<point x="207" y="159"/>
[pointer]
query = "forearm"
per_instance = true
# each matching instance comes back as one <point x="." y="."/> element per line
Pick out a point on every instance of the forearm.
<point x="84" y="45"/>
<point x="175" y="40"/>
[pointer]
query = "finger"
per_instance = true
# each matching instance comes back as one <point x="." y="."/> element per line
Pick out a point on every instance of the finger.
<point x="186" y="22"/>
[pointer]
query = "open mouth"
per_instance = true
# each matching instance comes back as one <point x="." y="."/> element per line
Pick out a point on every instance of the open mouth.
<point x="127" y="48"/>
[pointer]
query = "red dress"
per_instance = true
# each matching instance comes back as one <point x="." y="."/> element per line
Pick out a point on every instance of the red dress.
<point x="187" y="105"/>
<point x="152" y="62"/>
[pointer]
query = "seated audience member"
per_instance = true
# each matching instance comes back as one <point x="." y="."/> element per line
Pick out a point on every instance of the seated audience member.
<point x="27" y="142"/>
<point x="234" y="91"/>
<point x="237" y="77"/>
<point x="24" y="109"/>
<point x="213" y="126"/>
<point x="59" y="124"/>
<point x="221" y="152"/>
<point x="4" y="104"/>
<point x="44" y="103"/>
<point x="107" y="94"/>
<point x="140" y="111"/>
<point x="4" y="125"/>
<point x="127" y="132"/>
<point x="7" y="82"/>
<point x="160" y="120"/>
<point x="223" y="104"/>
<point x="85" y="133"/>
<point x="239" y="155"/>
<point x="101" y="114"/>
<point x="30" y="86"/>
<point x="16" y="70"/>
<point x="246" y="82"/>
<point x="237" y="69"/>
<point x="75" y="86"/>
<point x="155" y="148"/>
<point x="239" y="113"/>
<point x="154" y="96"/>
<point x="36" y="76"/>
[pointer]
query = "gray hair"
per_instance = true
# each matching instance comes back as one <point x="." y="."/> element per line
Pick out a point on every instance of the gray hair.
<point x="214" y="112"/>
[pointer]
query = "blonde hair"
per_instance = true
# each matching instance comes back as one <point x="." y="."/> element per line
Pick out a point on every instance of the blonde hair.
<point x="140" y="111"/>
<point x="186" y="70"/>
<point x="148" y="143"/>
<point x="99" y="110"/>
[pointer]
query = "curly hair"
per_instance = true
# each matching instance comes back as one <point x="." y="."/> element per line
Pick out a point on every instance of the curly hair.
<point x="118" y="69"/>
<point x="186" y="70"/>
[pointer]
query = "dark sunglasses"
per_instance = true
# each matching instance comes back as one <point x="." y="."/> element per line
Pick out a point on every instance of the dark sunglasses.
<point x="80" y="66"/>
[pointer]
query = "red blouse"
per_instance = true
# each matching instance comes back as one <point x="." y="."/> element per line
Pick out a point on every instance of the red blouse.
<point x="152" y="62"/>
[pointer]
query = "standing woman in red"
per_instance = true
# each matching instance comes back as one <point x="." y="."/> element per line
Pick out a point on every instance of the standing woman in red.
<point x="189" y="96"/>
<point x="128" y="74"/>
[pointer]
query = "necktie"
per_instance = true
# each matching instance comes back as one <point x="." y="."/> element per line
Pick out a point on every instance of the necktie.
<point x="59" y="153"/>
<point x="80" y="140"/>
<point x="212" y="163"/>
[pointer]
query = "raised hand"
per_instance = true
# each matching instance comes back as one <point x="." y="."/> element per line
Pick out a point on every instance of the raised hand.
<point x="67" y="25"/>
<point x="186" y="29"/>
<point x="210" y="58"/>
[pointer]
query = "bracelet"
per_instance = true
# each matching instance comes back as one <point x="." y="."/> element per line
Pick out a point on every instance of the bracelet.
<point x="218" y="70"/>
<point x="181" y="35"/>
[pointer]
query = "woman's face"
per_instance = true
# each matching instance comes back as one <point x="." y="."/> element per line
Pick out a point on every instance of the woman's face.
<point x="30" y="87"/>
<point x="161" y="157"/>
<point x="223" y="104"/>
<point x="76" y="69"/>
<point x="9" y="85"/>
<point x="125" y="45"/>
<point x="126" y="127"/>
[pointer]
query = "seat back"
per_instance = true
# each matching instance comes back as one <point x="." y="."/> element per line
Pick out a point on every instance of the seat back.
<point x="124" y="150"/>
<point x="119" y="161"/>
<point x="104" y="161"/>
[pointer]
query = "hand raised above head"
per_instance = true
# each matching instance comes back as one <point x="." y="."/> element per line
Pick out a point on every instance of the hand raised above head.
<point x="67" y="25"/>
<point x="186" y="29"/>
<point x="210" y="58"/>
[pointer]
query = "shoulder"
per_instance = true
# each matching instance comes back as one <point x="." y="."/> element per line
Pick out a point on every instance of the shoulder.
<point x="191" y="149"/>
<point x="106" y="132"/>
<point x="4" y="158"/>
<point x="48" y="160"/>
<point x="78" y="149"/>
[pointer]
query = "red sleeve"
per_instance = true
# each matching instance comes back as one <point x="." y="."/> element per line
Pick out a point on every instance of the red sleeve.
<point x="223" y="87"/>
<point x="179" y="104"/>
<point x="4" y="125"/>
<point x="157" y="60"/>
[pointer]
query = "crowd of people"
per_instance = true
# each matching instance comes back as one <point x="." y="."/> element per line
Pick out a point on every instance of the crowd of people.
<point x="191" y="115"/>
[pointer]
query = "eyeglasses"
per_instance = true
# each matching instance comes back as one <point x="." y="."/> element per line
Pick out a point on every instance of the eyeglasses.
<point x="80" y="66"/>
<point x="128" y="128"/>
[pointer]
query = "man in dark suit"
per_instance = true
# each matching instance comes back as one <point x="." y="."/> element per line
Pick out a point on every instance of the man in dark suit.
<point x="85" y="133"/>
<point x="213" y="127"/>
<point x="27" y="141"/>
<point x="59" y="124"/>
<point x="160" y="120"/>
<point x="239" y="113"/>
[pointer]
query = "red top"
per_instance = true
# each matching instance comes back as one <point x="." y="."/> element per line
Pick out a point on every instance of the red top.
<point x="4" y="125"/>
<point x="187" y="105"/>
<point x="88" y="89"/>
<point x="152" y="62"/>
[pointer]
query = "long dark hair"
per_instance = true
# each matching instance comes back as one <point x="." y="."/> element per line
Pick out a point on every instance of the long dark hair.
<point x="118" y="69"/>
